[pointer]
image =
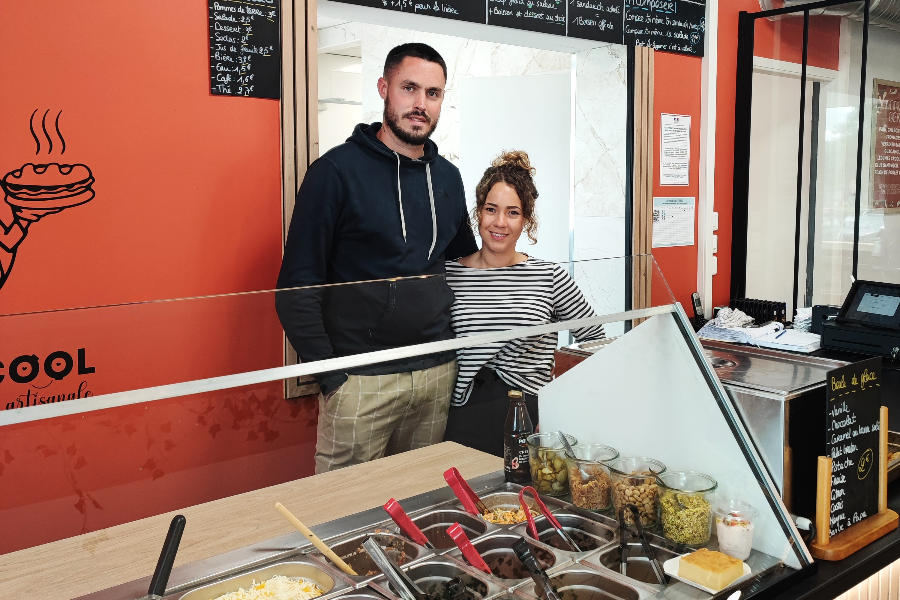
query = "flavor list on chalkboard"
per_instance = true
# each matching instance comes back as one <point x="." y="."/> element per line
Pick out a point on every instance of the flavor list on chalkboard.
<point x="853" y="413"/>
<point x="543" y="16"/>
<point x="244" y="48"/>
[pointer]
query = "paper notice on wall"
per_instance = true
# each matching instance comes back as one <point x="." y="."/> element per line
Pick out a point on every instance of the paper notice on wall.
<point x="674" y="149"/>
<point x="673" y="222"/>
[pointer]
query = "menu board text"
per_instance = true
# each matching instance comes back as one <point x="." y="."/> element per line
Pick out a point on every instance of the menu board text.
<point x="853" y="413"/>
<point x="244" y="48"/>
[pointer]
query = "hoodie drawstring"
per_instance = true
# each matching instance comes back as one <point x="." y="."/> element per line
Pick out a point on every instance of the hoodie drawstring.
<point x="400" y="199"/>
<point x="433" y="215"/>
<point x="430" y="198"/>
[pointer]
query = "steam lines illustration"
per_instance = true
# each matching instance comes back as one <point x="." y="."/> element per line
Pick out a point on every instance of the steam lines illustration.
<point x="37" y="140"/>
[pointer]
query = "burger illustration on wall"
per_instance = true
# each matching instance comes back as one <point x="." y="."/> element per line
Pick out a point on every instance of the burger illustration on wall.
<point x="36" y="190"/>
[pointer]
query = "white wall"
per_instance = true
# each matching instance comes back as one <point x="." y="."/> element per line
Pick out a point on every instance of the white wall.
<point x="488" y="126"/>
<point x="340" y="78"/>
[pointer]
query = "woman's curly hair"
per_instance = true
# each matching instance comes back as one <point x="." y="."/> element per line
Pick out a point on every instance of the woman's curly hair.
<point x="513" y="168"/>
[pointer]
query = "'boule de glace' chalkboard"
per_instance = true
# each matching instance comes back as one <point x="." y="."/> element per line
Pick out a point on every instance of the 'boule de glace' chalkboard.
<point x="244" y="48"/>
<point x="853" y="411"/>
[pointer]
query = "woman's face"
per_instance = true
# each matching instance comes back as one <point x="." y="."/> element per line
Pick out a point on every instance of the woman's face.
<point x="501" y="219"/>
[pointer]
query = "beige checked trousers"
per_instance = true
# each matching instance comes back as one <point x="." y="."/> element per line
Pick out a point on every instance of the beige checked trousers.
<point x="371" y="416"/>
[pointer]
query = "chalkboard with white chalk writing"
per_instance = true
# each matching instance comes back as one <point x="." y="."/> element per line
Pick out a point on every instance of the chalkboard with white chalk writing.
<point x="667" y="25"/>
<point x="462" y="10"/>
<point x="245" y="48"/>
<point x="853" y="413"/>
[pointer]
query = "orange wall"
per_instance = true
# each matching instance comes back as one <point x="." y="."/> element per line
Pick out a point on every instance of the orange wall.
<point x="677" y="91"/>
<point x="188" y="203"/>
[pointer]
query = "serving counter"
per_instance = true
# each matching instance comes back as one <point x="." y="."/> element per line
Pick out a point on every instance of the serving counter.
<point x="103" y="559"/>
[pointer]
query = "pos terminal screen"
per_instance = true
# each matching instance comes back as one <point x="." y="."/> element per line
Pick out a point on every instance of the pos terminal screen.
<point x="873" y="304"/>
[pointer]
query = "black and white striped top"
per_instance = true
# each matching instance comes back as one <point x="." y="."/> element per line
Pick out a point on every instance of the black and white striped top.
<point x="533" y="292"/>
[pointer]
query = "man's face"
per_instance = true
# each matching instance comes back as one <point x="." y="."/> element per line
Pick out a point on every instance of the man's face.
<point x="413" y="93"/>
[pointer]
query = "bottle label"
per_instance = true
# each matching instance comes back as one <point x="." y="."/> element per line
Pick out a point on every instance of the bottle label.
<point x="516" y="462"/>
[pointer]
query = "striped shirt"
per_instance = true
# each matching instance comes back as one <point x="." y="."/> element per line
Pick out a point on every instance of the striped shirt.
<point x="533" y="292"/>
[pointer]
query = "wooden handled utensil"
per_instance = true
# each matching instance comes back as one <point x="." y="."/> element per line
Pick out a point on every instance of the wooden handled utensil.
<point x="322" y="546"/>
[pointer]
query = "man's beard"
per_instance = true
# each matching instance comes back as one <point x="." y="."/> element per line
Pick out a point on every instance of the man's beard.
<point x="413" y="139"/>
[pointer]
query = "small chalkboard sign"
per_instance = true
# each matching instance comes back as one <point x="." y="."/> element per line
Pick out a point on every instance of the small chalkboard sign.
<point x="853" y="441"/>
<point x="245" y="48"/>
<point x="544" y="16"/>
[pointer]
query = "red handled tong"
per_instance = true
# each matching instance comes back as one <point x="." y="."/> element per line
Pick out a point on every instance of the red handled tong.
<point x="470" y="500"/>
<point x="405" y="524"/>
<point x="532" y="528"/>
<point x="462" y="540"/>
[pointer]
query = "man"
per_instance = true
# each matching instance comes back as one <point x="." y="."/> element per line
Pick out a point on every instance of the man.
<point x="382" y="205"/>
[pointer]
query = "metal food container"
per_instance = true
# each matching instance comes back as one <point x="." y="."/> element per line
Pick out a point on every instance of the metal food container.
<point x="322" y="577"/>
<point x="589" y="534"/>
<point x="580" y="582"/>
<point x="433" y="575"/>
<point x="434" y="524"/>
<point x="497" y="552"/>
<point x="399" y="549"/>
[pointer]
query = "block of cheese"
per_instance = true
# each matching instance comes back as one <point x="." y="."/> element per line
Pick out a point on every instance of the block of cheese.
<point x="710" y="569"/>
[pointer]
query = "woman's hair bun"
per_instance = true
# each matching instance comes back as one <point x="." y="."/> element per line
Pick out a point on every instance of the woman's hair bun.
<point x="516" y="159"/>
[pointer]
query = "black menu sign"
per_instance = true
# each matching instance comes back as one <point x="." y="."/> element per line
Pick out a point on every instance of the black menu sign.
<point x="669" y="25"/>
<point x="853" y="413"/>
<point x="544" y="16"/>
<point x="599" y="20"/>
<point x="244" y="48"/>
<point x="462" y="10"/>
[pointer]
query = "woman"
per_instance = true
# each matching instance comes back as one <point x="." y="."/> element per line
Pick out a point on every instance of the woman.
<point x="498" y="289"/>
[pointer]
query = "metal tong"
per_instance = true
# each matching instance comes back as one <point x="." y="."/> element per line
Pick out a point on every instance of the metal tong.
<point x="406" y="524"/>
<point x="532" y="528"/>
<point x="468" y="550"/>
<point x="406" y="587"/>
<point x="470" y="500"/>
<point x="541" y="581"/>
<point x="645" y="543"/>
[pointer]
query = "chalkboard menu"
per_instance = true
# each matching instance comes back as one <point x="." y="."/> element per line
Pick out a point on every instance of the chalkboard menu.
<point x="244" y="48"/>
<point x="462" y="10"/>
<point x="852" y="442"/>
<point x="669" y="25"/>
<point x="599" y="20"/>
<point x="544" y="16"/>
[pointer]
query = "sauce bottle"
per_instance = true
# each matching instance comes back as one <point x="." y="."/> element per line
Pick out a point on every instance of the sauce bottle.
<point x="518" y="427"/>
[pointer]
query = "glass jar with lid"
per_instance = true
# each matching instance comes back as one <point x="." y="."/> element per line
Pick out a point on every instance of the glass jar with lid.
<point x="685" y="506"/>
<point x="589" y="479"/>
<point x="549" y="473"/>
<point x="634" y="483"/>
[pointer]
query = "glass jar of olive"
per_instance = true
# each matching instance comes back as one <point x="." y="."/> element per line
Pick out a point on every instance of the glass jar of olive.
<point x="549" y="472"/>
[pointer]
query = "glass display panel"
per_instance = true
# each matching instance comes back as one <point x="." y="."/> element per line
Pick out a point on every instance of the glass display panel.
<point x="185" y="444"/>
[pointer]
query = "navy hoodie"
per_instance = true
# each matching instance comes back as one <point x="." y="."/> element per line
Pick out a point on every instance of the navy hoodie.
<point x="365" y="213"/>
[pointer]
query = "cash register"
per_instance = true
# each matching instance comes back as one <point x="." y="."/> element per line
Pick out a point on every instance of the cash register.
<point x="868" y="322"/>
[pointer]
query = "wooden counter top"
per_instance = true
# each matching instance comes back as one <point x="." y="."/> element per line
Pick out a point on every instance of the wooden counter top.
<point x="94" y="561"/>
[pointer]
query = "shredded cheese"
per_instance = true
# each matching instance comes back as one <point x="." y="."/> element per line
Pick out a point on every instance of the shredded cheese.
<point x="278" y="587"/>
<point x="500" y="516"/>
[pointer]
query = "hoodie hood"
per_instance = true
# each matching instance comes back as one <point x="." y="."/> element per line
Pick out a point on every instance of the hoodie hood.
<point x="366" y="136"/>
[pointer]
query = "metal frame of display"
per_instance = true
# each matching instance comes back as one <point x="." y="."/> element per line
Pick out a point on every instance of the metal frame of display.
<point x="742" y="126"/>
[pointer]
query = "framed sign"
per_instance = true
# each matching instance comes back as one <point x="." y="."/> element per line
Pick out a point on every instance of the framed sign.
<point x="885" y="160"/>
